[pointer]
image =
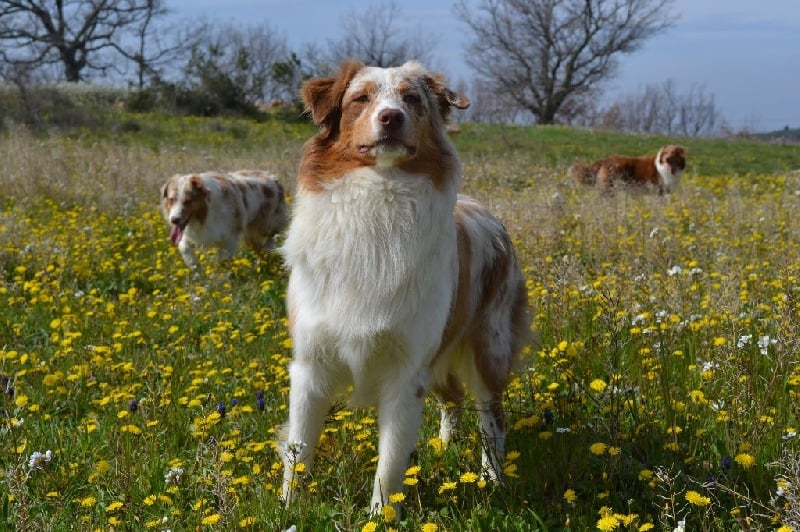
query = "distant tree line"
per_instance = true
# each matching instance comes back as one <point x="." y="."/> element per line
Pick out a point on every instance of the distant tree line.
<point x="534" y="61"/>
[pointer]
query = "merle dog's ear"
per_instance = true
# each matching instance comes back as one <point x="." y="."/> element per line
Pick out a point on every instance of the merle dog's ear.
<point x="197" y="185"/>
<point x="323" y="96"/>
<point x="446" y="97"/>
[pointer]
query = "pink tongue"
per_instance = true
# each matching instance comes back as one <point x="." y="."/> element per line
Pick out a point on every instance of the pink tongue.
<point x="176" y="234"/>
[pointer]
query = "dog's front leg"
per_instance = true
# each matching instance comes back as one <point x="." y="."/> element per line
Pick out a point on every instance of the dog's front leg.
<point x="307" y="410"/>
<point x="187" y="252"/>
<point x="399" y="421"/>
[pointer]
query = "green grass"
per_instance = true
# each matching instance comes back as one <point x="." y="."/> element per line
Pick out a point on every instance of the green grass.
<point x="665" y="387"/>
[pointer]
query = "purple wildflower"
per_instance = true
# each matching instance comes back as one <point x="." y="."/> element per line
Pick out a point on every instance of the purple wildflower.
<point x="726" y="462"/>
<point x="260" y="400"/>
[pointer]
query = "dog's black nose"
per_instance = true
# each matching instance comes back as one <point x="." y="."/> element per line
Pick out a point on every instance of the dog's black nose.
<point x="391" y="119"/>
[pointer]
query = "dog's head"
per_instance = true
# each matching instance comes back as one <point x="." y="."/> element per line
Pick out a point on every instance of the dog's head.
<point x="673" y="158"/>
<point x="183" y="198"/>
<point x="382" y="117"/>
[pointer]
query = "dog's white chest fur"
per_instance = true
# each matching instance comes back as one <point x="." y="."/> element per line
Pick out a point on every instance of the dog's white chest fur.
<point x="369" y="257"/>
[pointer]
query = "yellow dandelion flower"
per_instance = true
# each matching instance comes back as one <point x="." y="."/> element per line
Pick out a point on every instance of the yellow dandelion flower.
<point x="369" y="527"/>
<point x="88" y="502"/>
<point x="468" y="477"/>
<point x="608" y="522"/>
<point x="645" y="474"/>
<point x="447" y="486"/>
<point x="598" y="448"/>
<point x="695" y="498"/>
<point x="646" y="526"/>
<point x="247" y="521"/>
<point x="412" y="471"/>
<point x="149" y="500"/>
<point x="570" y="496"/>
<point x="510" y="470"/>
<point x="114" y="506"/>
<point x="212" y="519"/>
<point x="719" y="341"/>
<point x="745" y="460"/>
<point x="437" y="445"/>
<point x="598" y="385"/>
<point x="389" y="513"/>
<point x="396" y="498"/>
<point x="411" y="481"/>
<point x="430" y="527"/>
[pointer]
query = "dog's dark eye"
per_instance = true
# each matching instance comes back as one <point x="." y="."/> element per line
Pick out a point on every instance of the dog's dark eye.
<point x="411" y="98"/>
<point x="363" y="98"/>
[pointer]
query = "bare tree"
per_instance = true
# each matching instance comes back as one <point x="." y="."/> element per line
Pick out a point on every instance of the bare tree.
<point x="152" y="47"/>
<point x="72" y="33"/>
<point x="376" y="36"/>
<point x="662" y="109"/>
<point x="541" y="53"/>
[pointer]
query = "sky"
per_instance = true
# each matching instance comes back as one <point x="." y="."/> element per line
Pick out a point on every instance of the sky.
<point x="746" y="53"/>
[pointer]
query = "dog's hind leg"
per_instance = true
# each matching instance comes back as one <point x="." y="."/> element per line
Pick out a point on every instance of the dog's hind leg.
<point x="450" y="396"/>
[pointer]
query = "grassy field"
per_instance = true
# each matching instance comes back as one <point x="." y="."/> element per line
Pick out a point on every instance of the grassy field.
<point x="140" y="395"/>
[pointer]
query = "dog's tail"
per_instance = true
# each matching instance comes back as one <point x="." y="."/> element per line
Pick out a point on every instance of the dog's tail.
<point x="583" y="173"/>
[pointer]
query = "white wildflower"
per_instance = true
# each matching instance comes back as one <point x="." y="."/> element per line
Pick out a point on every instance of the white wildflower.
<point x="174" y="475"/>
<point x="744" y="340"/>
<point x="39" y="460"/>
<point x="764" y="342"/>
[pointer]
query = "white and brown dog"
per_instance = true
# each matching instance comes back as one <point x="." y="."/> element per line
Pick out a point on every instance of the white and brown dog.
<point x="398" y="286"/>
<point x="660" y="174"/>
<point x="218" y="209"/>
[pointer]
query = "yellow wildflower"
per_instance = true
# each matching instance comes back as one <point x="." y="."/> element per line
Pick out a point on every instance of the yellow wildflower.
<point x="745" y="460"/>
<point x="696" y="499"/>
<point x="598" y="448"/>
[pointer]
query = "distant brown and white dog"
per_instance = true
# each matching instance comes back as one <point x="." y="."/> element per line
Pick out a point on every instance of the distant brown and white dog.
<point x="660" y="174"/>
<point x="398" y="285"/>
<point x="218" y="209"/>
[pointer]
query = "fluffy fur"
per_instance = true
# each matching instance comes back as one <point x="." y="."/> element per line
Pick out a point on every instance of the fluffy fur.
<point x="215" y="209"/>
<point x="660" y="173"/>
<point x="398" y="286"/>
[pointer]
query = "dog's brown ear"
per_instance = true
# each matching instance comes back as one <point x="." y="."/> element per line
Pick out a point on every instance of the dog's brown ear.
<point x="459" y="101"/>
<point x="446" y="97"/>
<point x="323" y="96"/>
<point x="197" y="185"/>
